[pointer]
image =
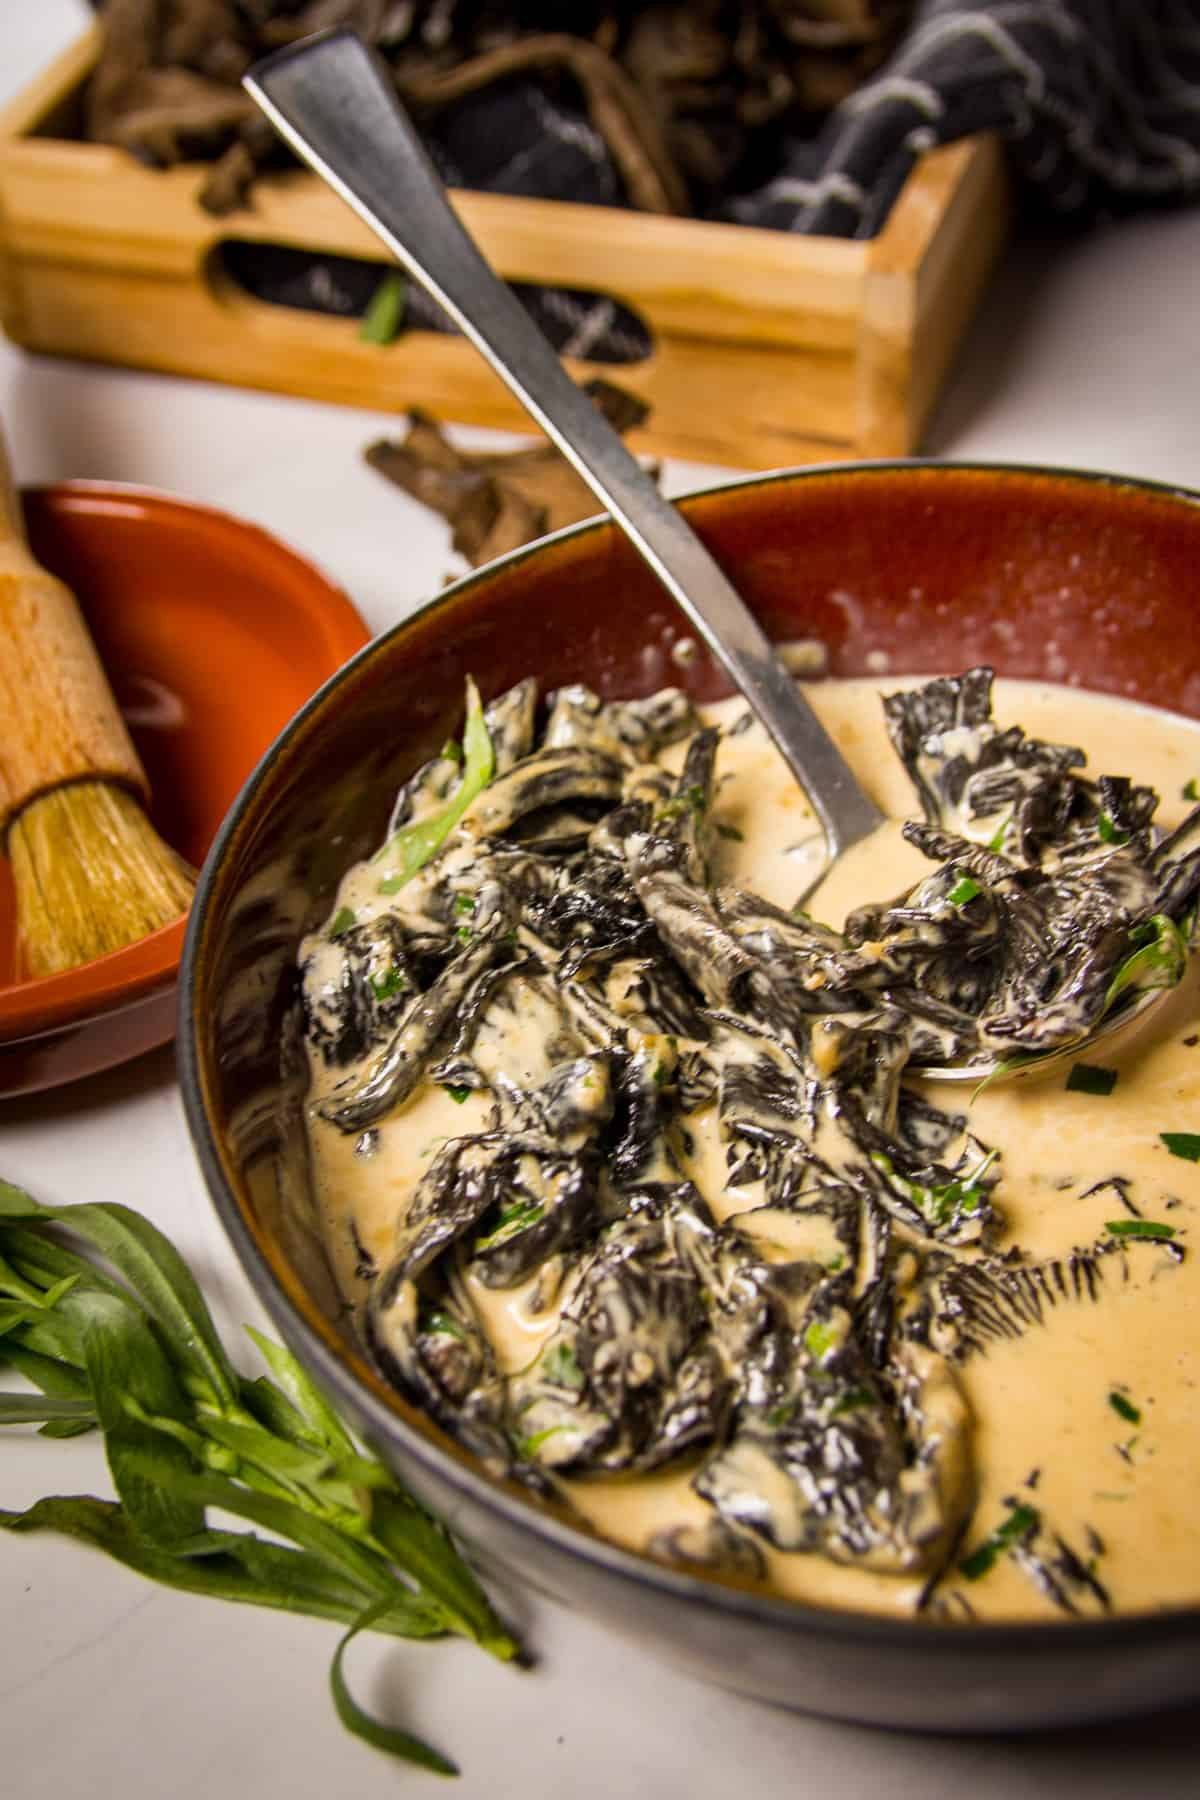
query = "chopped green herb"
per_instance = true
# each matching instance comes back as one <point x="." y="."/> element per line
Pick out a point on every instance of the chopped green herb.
<point x="528" y="1447"/>
<point x="939" y="1202"/>
<point x="1139" y="1228"/>
<point x="410" y="848"/>
<point x="1182" y="1143"/>
<point x="1124" y="1408"/>
<point x="1090" y="1078"/>
<point x="560" y="1365"/>
<point x="451" y="751"/>
<point x="1158" y="959"/>
<point x="1021" y="1521"/>
<point x="457" y="1094"/>
<point x="1110" y="831"/>
<point x="1190" y="790"/>
<point x="463" y="903"/>
<point x="731" y="832"/>
<point x="691" y="800"/>
<point x="463" y="933"/>
<point x="996" y="841"/>
<point x="819" y="1337"/>
<point x="509" y="1220"/>
<point x="384" y="317"/>
<point x="342" y="920"/>
<point x="384" y="986"/>
<point x="963" y="891"/>
<point x="779" y="1415"/>
<point x="853" y="1400"/>
<point x="438" y="1323"/>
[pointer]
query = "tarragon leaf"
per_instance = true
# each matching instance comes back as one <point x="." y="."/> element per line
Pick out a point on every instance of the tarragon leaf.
<point x="227" y="1565"/>
<point x="372" y="1731"/>
<point x="154" y="1269"/>
<point x="410" y="848"/>
<point x="304" y="1395"/>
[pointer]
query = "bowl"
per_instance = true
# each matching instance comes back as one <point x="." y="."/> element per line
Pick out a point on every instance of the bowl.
<point x="213" y="633"/>
<point x="911" y="567"/>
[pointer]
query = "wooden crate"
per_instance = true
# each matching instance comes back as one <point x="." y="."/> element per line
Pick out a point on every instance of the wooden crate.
<point x="768" y="348"/>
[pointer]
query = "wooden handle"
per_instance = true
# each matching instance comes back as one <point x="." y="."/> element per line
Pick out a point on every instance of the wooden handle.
<point x="58" y="719"/>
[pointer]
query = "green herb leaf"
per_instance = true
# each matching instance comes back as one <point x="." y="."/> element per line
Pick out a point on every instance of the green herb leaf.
<point x="853" y="1400"/>
<point x="59" y="1380"/>
<point x="437" y="1322"/>
<point x="561" y="1366"/>
<point x="508" y="1221"/>
<point x="384" y="986"/>
<point x="342" y="920"/>
<point x="1110" y="831"/>
<point x="1190" y="790"/>
<point x="820" y="1337"/>
<point x="1090" y="1078"/>
<point x="528" y="1447"/>
<point x="963" y="891"/>
<point x="361" y="1725"/>
<point x="307" y="1399"/>
<point x="154" y="1269"/>
<point x="1158" y="959"/>
<point x="420" y="1545"/>
<point x="1182" y="1143"/>
<point x="184" y="1432"/>
<point x="1124" y="1408"/>
<point x="227" y="1565"/>
<point x="732" y="833"/>
<point x="410" y="848"/>
<point x="34" y="1409"/>
<point x="1021" y="1521"/>
<point x="132" y="1382"/>
<point x="1139" y="1228"/>
<point x="384" y="318"/>
<point x="457" y="1094"/>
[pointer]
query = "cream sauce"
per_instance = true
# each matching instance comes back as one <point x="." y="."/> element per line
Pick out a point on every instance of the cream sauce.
<point x="1094" y="1416"/>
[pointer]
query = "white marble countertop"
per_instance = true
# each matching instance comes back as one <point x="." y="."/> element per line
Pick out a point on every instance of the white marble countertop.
<point x="1083" y="355"/>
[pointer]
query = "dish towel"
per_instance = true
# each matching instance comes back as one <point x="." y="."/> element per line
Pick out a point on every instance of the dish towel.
<point x="1097" y="100"/>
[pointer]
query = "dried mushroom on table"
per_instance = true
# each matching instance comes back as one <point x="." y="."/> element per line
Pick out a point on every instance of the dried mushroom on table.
<point x="496" y="500"/>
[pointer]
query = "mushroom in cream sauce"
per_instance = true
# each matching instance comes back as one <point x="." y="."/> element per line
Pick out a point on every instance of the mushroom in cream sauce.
<point x="629" y="1170"/>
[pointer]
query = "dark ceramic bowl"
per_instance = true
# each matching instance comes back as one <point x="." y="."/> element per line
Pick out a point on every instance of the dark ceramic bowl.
<point x="212" y="633"/>
<point x="913" y="568"/>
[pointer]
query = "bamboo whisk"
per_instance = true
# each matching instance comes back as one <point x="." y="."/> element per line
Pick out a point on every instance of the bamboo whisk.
<point x="90" y="872"/>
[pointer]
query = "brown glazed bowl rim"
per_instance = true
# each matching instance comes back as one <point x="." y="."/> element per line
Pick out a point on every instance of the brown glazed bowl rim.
<point x="383" y="1417"/>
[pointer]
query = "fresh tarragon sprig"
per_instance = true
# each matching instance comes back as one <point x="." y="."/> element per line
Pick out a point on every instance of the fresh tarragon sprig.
<point x="116" y="1336"/>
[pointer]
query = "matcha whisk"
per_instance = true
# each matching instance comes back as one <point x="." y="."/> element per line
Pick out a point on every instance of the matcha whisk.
<point x="90" y="872"/>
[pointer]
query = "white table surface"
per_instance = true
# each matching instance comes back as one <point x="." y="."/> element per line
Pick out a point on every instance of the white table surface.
<point x="1085" y="354"/>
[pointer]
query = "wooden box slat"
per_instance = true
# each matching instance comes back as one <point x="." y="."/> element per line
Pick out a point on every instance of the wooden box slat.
<point x="769" y="348"/>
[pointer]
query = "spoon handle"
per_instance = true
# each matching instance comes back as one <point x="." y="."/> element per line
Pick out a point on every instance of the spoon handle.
<point x="333" y="102"/>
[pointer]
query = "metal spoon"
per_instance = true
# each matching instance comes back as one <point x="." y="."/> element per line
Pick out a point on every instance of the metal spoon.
<point x="333" y="102"/>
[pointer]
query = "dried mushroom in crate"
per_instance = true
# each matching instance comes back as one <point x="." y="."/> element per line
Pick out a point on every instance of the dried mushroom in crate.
<point x="688" y="101"/>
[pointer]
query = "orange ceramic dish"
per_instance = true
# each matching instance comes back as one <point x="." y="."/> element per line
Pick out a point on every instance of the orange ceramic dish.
<point x="213" y="634"/>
